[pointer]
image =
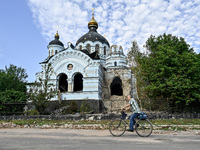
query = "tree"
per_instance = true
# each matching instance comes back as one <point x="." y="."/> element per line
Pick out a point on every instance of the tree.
<point x="41" y="92"/>
<point x="171" y="71"/>
<point x="12" y="89"/>
<point x="13" y="77"/>
<point x="134" y="56"/>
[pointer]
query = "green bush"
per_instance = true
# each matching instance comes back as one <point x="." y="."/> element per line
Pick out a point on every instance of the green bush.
<point x="73" y="108"/>
<point x="32" y="112"/>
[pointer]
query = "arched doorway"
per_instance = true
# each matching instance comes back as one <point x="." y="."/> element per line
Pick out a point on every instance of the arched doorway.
<point x="116" y="87"/>
<point x="78" y="82"/>
<point x="63" y="84"/>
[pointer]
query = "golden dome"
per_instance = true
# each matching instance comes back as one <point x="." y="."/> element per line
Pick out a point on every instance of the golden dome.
<point x="92" y="22"/>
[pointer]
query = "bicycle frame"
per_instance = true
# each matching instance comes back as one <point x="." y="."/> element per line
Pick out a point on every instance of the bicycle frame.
<point x="143" y="127"/>
<point x="125" y="122"/>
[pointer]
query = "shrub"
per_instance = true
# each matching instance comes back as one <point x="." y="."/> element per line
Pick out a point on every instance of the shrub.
<point x="73" y="108"/>
<point x="32" y="112"/>
<point x="85" y="107"/>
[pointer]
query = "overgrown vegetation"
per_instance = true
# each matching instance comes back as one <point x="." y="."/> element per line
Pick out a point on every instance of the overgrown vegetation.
<point x="73" y="108"/>
<point x="168" y="74"/>
<point x="41" y="91"/>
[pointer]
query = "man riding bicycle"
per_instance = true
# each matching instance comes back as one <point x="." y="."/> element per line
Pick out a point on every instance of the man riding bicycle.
<point x="133" y="106"/>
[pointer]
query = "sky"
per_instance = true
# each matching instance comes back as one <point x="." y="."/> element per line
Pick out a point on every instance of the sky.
<point x="27" y="26"/>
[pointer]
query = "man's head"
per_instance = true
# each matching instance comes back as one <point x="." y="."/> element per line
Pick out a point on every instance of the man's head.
<point x="129" y="97"/>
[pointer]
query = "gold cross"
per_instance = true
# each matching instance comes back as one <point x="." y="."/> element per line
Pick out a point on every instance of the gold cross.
<point x="92" y="11"/>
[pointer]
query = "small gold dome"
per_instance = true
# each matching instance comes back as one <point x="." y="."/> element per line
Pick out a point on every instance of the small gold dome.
<point x="57" y="35"/>
<point x="56" y="41"/>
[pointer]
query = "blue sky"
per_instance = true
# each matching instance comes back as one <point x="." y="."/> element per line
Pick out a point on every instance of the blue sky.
<point x="27" y="26"/>
<point x="21" y="41"/>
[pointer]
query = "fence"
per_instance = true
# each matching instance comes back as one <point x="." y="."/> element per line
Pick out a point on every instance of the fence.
<point x="12" y="108"/>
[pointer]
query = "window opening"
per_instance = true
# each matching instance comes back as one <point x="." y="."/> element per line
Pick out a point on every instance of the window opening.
<point x="116" y="87"/>
<point x="104" y="51"/>
<point x="88" y="47"/>
<point x="97" y="48"/>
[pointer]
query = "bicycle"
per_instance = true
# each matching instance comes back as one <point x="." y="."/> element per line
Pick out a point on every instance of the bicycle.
<point x="143" y="126"/>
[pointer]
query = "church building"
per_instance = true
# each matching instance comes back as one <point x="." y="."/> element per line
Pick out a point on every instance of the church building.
<point x="91" y="70"/>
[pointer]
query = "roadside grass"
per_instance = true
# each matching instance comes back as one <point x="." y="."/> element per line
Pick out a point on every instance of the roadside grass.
<point x="176" y="122"/>
<point x="159" y="124"/>
<point x="41" y="122"/>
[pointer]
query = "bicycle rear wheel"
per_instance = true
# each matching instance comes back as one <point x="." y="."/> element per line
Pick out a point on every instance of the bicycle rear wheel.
<point x="143" y="128"/>
<point x="117" y="127"/>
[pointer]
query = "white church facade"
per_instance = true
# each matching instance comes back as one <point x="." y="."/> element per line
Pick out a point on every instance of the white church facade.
<point x="92" y="69"/>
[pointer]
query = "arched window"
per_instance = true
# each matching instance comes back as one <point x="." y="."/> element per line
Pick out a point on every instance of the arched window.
<point x="80" y="47"/>
<point x="115" y="63"/>
<point x="56" y="51"/>
<point x="78" y="82"/>
<point x="116" y="87"/>
<point x="51" y="52"/>
<point x="88" y="47"/>
<point x="97" y="48"/>
<point x="104" y="50"/>
<point x="62" y="83"/>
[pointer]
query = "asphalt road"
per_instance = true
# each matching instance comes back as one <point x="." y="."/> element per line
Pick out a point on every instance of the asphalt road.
<point x="68" y="139"/>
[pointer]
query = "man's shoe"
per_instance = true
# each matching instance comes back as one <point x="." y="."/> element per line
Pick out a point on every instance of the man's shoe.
<point x="129" y="130"/>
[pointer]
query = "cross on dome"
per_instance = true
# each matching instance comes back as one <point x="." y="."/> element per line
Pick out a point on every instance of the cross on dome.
<point x="93" y="22"/>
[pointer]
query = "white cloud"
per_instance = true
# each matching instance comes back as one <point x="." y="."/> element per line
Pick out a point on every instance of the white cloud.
<point x="122" y="21"/>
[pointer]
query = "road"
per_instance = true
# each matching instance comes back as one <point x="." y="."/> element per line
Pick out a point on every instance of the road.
<point x="69" y="139"/>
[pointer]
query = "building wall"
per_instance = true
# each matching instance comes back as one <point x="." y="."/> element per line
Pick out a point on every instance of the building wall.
<point x="126" y="77"/>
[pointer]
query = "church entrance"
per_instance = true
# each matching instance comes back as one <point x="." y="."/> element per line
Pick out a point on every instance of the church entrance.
<point x="116" y="87"/>
<point x="63" y="84"/>
<point x="78" y="82"/>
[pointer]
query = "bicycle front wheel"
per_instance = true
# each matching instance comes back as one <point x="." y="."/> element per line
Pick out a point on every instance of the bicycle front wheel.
<point x="117" y="127"/>
<point x="143" y="128"/>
